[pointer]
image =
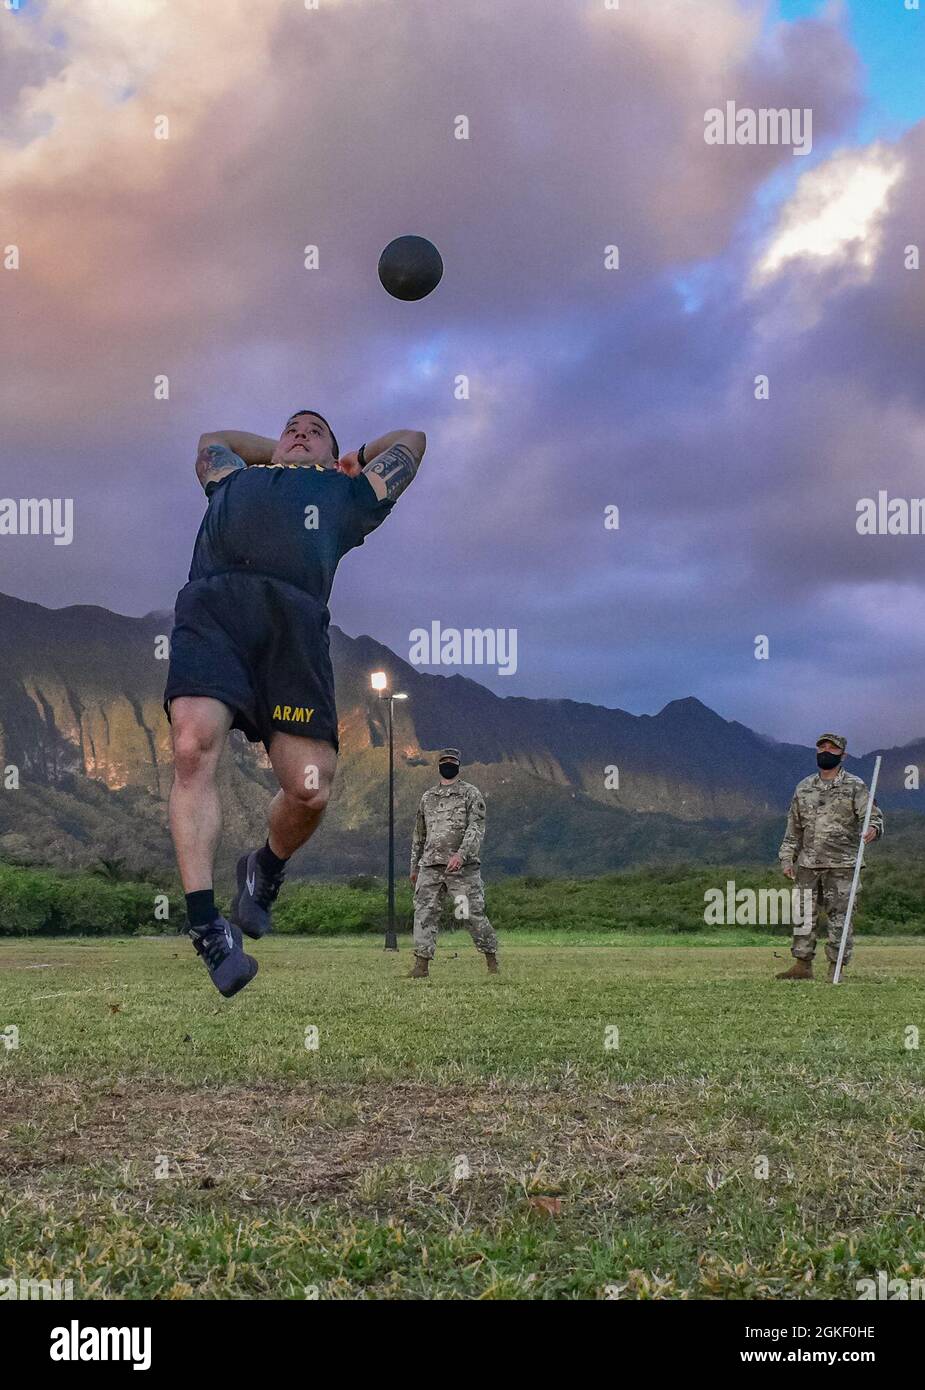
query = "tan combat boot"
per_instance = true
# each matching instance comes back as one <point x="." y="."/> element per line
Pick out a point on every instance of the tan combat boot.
<point x="799" y="970"/>
<point x="420" y="968"/>
<point x="491" y="960"/>
<point x="844" y="971"/>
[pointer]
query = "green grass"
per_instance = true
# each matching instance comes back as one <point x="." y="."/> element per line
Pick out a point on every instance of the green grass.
<point x="342" y="1170"/>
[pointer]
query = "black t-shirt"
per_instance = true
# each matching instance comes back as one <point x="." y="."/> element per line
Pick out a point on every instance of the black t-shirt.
<point x="293" y="523"/>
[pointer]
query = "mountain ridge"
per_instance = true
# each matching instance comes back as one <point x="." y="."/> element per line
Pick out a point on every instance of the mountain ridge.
<point x="81" y="717"/>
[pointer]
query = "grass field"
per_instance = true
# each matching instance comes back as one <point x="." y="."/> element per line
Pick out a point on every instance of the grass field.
<point x="465" y="1136"/>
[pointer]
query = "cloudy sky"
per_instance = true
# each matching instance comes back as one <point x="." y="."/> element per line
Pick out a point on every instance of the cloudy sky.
<point x="589" y="387"/>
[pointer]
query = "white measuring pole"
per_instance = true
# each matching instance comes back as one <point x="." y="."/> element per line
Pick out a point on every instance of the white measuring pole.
<point x="857" y="873"/>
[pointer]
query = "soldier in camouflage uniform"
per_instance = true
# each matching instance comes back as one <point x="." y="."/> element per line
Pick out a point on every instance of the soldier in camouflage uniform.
<point x="445" y="859"/>
<point x="819" y="850"/>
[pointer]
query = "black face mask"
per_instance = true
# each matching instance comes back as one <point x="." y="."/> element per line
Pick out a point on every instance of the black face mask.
<point x="448" y="769"/>
<point x="828" y="760"/>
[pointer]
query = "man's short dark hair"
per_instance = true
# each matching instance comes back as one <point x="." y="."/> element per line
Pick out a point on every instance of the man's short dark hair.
<point x="323" y="421"/>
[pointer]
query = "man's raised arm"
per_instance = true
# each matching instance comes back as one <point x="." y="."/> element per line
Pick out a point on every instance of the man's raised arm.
<point x="391" y="462"/>
<point x="226" y="451"/>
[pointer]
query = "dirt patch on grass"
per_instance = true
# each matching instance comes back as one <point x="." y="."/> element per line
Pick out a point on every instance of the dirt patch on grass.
<point x="298" y="1139"/>
<point x="377" y="1146"/>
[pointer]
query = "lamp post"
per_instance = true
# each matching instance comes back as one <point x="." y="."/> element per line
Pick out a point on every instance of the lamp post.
<point x="379" y="682"/>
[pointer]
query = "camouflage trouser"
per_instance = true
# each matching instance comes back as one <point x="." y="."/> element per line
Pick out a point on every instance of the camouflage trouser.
<point x="829" y="888"/>
<point x="467" y="898"/>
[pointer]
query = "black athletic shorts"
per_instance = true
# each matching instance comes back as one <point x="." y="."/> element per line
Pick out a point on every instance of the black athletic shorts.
<point x="260" y="646"/>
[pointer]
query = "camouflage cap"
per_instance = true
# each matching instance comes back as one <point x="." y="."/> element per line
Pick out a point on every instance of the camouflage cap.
<point x="448" y="755"/>
<point x="838" y="739"/>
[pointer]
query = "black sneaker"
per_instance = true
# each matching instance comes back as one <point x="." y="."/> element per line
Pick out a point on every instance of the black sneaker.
<point x="257" y="892"/>
<point x="221" y="948"/>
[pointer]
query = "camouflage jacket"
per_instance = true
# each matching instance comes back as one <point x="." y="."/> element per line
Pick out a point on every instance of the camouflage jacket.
<point x="825" y="821"/>
<point x="451" y="820"/>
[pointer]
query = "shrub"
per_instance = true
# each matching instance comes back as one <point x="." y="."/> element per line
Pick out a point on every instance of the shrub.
<point x="40" y="901"/>
<point x="34" y="900"/>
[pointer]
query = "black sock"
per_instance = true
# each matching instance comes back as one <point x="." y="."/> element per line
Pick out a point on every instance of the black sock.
<point x="270" y="862"/>
<point x="200" y="907"/>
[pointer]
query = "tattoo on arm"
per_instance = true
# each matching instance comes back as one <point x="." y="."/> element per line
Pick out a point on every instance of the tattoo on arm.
<point x="214" y="461"/>
<point x="391" y="472"/>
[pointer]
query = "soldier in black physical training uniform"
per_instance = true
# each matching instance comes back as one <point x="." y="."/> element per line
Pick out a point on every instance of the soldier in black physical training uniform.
<point x="250" y="650"/>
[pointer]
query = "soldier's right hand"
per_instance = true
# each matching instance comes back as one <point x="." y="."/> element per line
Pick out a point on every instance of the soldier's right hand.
<point x="413" y="877"/>
<point x="790" y="873"/>
<point x="349" y="464"/>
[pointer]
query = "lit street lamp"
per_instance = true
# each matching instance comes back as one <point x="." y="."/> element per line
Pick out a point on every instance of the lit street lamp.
<point x="379" y="682"/>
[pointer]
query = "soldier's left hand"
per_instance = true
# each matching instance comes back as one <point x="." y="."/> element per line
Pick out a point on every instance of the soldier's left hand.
<point x="453" y="864"/>
<point x="871" y="835"/>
